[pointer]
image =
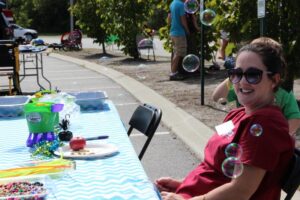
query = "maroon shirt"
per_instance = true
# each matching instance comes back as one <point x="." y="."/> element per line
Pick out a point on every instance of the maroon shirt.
<point x="272" y="151"/>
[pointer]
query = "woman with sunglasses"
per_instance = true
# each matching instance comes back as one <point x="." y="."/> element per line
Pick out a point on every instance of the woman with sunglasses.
<point x="258" y="131"/>
<point x="285" y="100"/>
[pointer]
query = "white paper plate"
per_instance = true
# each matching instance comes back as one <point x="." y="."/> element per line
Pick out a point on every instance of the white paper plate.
<point x="90" y="151"/>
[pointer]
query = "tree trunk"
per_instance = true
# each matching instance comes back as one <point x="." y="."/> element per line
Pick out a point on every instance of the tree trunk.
<point x="103" y="48"/>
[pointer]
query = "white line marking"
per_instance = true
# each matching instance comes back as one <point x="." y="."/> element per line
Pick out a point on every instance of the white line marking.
<point x="156" y="133"/>
<point x="76" y="78"/>
<point x="126" y="104"/>
<point x="65" y="71"/>
<point x="91" y="89"/>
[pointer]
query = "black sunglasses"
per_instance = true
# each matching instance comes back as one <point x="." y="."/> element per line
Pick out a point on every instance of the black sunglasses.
<point x="252" y="75"/>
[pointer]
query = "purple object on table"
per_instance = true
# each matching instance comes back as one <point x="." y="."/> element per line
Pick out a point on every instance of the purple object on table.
<point x="57" y="107"/>
<point x="35" y="138"/>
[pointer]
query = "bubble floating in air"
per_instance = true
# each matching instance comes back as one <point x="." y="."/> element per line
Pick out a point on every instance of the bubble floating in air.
<point x="256" y="130"/>
<point x="191" y="63"/>
<point x="207" y="17"/>
<point x="232" y="167"/>
<point x="141" y="72"/>
<point x="191" y="6"/>
<point x="233" y="150"/>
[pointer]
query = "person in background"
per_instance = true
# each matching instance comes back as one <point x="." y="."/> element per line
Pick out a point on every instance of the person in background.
<point x="258" y="128"/>
<point x="285" y="100"/>
<point x="194" y="31"/>
<point x="223" y="42"/>
<point x="192" y="39"/>
<point x="178" y="31"/>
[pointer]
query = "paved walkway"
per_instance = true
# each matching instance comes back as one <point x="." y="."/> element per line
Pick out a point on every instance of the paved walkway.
<point x="169" y="157"/>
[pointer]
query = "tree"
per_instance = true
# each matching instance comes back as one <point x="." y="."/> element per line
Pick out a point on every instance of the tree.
<point x="48" y="16"/>
<point x="88" y="13"/>
<point x="100" y="18"/>
<point x="21" y="9"/>
<point x="125" y="19"/>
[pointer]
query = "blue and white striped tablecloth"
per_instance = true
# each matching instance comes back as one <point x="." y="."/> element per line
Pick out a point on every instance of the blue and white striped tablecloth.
<point x="118" y="177"/>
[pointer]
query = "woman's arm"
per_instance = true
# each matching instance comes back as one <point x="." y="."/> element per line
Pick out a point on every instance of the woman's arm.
<point x="241" y="188"/>
<point x="221" y="90"/>
<point x="294" y="125"/>
<point x="194" y="18"/>
<point x="184" y="24"/>
<point x="290" y="110"/>
<point x="169" y="18"/>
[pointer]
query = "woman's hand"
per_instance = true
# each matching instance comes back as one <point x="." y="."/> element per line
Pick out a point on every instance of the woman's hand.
<point x="167" y="184"/>
<point x="171" y="196"/>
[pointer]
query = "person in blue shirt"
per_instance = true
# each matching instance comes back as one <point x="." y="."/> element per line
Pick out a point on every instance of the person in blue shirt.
<point x="179" y="30"/>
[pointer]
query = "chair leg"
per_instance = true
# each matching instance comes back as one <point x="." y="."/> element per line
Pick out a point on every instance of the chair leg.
<point x="16" y="83"/>
<point x="145" y="147"/>
<point x="139" y="52"/>
<point x="9" y="85"/>
<point x="129" y="131"/>
<point x="153" y="54"/>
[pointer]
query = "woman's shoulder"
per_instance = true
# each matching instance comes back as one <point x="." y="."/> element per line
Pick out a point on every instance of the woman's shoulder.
<point x="270" y="114"/>
<point x="269" y="110"/>
<point x="270" y="117"/>
<point x="236" y="115"/>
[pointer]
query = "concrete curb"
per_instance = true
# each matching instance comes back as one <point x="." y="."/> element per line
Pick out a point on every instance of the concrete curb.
<point x="190" y="130"/>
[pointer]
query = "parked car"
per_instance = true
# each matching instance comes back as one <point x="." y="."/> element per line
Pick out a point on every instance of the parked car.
<point x="23" y="33"/>
<point x="6" y="32"/>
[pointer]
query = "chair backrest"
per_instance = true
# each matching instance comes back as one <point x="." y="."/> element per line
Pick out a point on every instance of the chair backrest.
<point x="291" y="181"/>
<point x="144" y="42"/>
<point x="145" y="119"/>
<point x="75" y="36"/>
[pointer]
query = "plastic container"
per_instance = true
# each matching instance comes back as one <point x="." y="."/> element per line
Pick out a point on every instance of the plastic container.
<point x="12" y="106"/>
<point x="38" y="191"/>
<point x="42" y="117"/>
<point x="90" y="101"/>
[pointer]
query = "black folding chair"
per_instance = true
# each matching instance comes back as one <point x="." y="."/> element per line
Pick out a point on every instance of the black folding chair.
<point x="292" y="179"/>
<point x="145" y="43"/>
<point x="145" y="119"/>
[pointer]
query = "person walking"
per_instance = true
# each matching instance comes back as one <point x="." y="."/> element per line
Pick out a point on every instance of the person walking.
<point x="178" y="31"/>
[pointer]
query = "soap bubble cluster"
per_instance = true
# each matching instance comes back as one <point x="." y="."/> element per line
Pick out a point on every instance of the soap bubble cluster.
<point x="232" y="167"/>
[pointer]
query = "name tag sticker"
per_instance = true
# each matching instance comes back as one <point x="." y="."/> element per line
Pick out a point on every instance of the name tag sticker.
<point x="225" y="129"/>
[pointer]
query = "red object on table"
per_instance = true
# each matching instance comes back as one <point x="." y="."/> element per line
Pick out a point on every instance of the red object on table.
<point x="77" y="143"/>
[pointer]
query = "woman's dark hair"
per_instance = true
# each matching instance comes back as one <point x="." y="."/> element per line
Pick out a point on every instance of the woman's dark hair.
<point x="271" y="56"/>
